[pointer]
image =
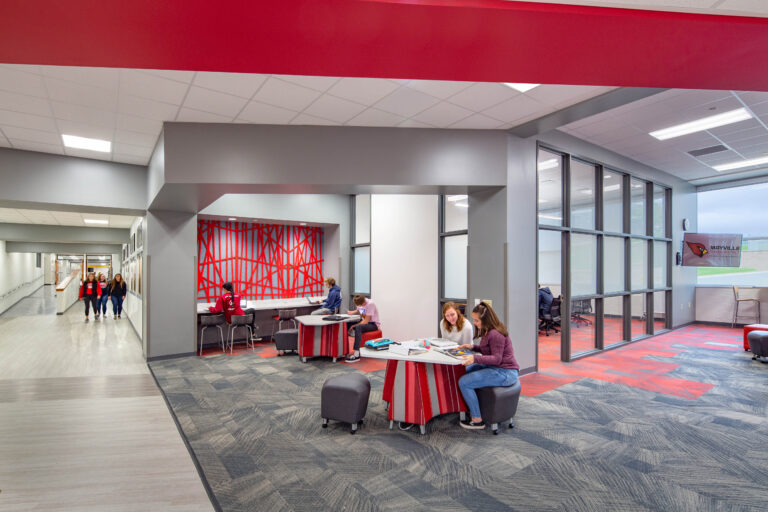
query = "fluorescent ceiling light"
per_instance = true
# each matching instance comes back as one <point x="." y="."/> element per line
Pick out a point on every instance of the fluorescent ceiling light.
<point x="96" y="221"/>
<point x="522" y="87"/>
<point x="606" y="176"/>
<point x="733" y="116"/>
<point x="740" y="165"/>
<point x="549" y="164"/>
<point x="302" y="223"/>
<point x="73" y="141"/>
<point x="611" y="188"/>
<point x="455" y="198"/>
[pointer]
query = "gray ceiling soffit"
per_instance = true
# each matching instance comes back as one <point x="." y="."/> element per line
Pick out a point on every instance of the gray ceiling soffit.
<point x="45" y="233"/>
<point x="586" y="108"/>
<point x="735" y="179"/>
<point x="63" y="248"/>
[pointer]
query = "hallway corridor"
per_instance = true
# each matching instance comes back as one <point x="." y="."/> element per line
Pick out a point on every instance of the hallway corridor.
<point x="82" y="424"/>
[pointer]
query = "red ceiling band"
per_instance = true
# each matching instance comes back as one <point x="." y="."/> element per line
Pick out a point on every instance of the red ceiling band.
<point x="474" y="40"/>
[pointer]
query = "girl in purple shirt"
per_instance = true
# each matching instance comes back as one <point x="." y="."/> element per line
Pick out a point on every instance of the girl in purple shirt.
<point x="495" y="365"/>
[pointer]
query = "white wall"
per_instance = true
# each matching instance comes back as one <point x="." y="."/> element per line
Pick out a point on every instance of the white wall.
<point x="49" y="268"/>
<point x="18" y="276"/>
<point x="404" y="264"/>
<point x="716" y="304"/>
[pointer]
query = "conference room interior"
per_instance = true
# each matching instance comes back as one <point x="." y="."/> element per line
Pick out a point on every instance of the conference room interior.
<point x="643" y="378"/>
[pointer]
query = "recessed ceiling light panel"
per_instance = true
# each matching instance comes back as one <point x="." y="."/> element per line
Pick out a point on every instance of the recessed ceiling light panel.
<point x="96" y="221"/>
<point x="75" y="142"/>
<point x="740" y="165"/>
<point x="706" y="123"/>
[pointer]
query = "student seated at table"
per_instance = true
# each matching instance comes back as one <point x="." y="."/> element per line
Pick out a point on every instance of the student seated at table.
<point x="333" y="301"/>
<point x="369" y="321"/>
<point x="228" y="303"/>
<point x="455" y="327"/>
<point x="494" y="366"/>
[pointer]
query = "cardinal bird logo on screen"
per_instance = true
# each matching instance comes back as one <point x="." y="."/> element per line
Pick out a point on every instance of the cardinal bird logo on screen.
<point x="698" y="249"/>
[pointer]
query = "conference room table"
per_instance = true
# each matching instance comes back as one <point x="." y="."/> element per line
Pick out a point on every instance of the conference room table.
<point x="318" y="337"/>
<point x="420" y="387"/>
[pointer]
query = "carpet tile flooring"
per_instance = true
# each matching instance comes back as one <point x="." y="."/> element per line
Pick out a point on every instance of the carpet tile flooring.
<point x="673" y="423"/>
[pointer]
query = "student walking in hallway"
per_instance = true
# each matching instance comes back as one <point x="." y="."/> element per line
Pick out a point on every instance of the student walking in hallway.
<point x="90" y="293"/>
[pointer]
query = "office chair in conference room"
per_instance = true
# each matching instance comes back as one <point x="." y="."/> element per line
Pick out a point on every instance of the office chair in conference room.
<point x="739" y="301"/>
<point x="551" y="320"/>
<point x="578" y="308"/>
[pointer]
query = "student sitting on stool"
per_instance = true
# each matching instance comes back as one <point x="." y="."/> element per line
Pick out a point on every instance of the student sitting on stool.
<point x="333" y="301"/>
<point x="369" y="321"/>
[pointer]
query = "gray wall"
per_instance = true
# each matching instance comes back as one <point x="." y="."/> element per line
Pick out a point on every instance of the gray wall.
<point x="170" y="275"/>
<point x="59" y="248"/>
<point x="487" y="237"/>
<point x="54" y="182"/>
<point x="156" y="168"/>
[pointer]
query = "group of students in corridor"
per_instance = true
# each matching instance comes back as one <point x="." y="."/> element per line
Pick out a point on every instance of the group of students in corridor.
<point x="97" y="291"/>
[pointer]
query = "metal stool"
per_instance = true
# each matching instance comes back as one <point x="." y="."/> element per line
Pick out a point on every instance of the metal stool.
<point x="739" y="301"/>
<point x="240" y="321"/>
<point x="211" y="321"/>
<point x="285" y="315"/>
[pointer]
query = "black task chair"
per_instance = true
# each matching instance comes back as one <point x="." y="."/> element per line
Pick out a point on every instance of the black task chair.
<point x="551" y="320"/>
<point x="578" y="308"/>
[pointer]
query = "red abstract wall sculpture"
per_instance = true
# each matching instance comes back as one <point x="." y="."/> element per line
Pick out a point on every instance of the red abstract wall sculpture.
<point x="263" y="261"/>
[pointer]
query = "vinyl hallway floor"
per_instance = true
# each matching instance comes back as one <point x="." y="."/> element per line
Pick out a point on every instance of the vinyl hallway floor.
<point x="675" y="423"/>
<point x="83" y="426"/>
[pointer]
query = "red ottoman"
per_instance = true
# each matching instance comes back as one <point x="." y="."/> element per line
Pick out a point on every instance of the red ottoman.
<point x="747" y="330"/>
<point x="372" y="335"/>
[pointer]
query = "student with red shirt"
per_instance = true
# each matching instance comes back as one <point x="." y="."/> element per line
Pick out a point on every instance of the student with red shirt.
<point x="228" y="303"/>
<point x="90" y="293"/>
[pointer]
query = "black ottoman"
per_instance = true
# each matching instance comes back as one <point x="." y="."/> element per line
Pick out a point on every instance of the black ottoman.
<point x="758" y="345"/>
<point x="287" y="339"/>
<point x="499" y="404"/>
<point x="345" y="398"/>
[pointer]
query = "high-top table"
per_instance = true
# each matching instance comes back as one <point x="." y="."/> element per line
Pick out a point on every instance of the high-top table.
<point x="421" y="386"/>
<point x="318" y="337"/>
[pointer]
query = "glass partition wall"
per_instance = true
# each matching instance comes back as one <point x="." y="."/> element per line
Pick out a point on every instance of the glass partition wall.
<point x="605" y="251"/>
<point x="453" y="234"/>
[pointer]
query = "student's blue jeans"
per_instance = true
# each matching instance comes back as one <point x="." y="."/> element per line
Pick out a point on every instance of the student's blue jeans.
<point x="117" y="305"/>
<point x="483" y="376"/>
<point x="101" y="304"/>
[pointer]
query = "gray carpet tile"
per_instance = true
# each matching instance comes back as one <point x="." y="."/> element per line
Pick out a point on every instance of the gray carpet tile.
<point x="254" y="426"/>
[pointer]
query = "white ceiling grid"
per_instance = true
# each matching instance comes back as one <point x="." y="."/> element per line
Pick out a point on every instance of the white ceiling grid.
<point x="54" y="218"/>
<point x="625" y="130"/>
<point x="127" y="106"/>
<point x="722" y="7"/>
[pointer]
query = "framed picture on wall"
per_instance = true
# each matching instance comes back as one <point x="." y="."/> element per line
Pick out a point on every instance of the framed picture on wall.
<point x="138" y="276"/>
<point x="140" y="235"/>
<point x="133" y="243"/>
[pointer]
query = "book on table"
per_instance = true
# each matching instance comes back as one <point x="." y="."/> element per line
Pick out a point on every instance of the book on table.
<point x="458" y="353"/>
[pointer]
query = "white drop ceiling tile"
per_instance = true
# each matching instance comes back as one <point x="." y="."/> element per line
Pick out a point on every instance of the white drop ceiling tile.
<point x="760" y="110"/>
<point x="130" y="159"/>
<point x="375" y="117"/>
<point x="214" y="102"/>
<point x="21" y="103"/>
<point x="243" y="85"/>
<point x="131" y="149"/>
<point x="22" y="120"/>
<point x="318" y="83"/>
<point x="188" y="115"/>
<point x="105" y="78"/>
<point x="442" y="115"/>
<point x="178" y="76"/>
<point x="754" y="131"/>
<point x="261" y="113"/>
<point x="752" y="97"/>
<point x="478" y="121"/>
<point x="406" y="102"/>
<point x="15" y="133"/>
<point x="306" y="119"/>
<point x="286" y="95"/>
<point x="733" y="130"/>
<point x="553" y="95"/>
<point x="410" y="123"/>
<point x="81" y="114"/>
<point x="480" y="96"/>
<point x="145" y="85"/>
<point x="135" y="138"/>
<point x="516" y="108"/>
<point x="86" y="130"/>
<point x="148" y="109"/>
<point x="334" y="109"/>
<point x="138" y="124"/>
<point x="80" y="94"/>
<point x="28" y="145"/>
<point x="750" y="144"/>
<point x="438" y="88"/>
<point x="38" y="216"/>
<point x="84" y="153"/>
<point x="14" y="80"/>
<point x="365" y="91"/>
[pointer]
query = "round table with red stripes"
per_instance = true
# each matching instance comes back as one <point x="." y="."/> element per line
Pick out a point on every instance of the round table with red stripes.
<point x="420" y="387"/>
<point x="318" y="337"/>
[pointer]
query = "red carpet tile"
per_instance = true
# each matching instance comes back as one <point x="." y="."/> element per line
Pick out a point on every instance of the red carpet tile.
<point x="630" y="365"/>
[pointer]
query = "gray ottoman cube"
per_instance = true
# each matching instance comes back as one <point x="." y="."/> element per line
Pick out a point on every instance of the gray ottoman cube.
<point x="758" y="345"/>
<point x="345" y="398"/>
<point x="499" y="404"/>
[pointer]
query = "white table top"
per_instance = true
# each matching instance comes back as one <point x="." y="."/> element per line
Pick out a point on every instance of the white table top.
<point x="267" y="304"/>
<point x="430" y="356"/>
<point x="315" y="320"/>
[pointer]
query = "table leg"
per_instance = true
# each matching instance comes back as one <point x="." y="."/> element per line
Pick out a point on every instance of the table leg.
<point x="423" y="429"/>
<point x="462" y="416"/>
<point x="391" y="424"/>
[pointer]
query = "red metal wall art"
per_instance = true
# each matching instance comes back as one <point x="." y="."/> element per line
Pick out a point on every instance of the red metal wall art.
<point x="263" y="261"/>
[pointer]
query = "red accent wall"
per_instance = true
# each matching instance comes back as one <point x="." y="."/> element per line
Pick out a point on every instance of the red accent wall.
<point x="263" y="261"/>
